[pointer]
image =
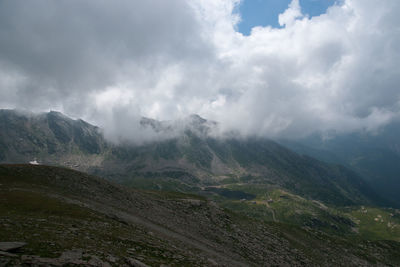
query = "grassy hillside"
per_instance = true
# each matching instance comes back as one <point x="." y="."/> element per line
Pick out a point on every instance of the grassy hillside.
<point x="271" y="203"/>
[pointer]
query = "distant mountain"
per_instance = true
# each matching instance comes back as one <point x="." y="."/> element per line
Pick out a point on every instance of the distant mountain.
<point x="58" y="217"/>
<point x="189" y="161"/>
<point x="374" y="156"/>
<point x="50" y="138"/>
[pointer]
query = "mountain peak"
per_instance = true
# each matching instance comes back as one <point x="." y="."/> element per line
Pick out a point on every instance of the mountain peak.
<point x="196" y="119"/>
<point x="57" y="114"/>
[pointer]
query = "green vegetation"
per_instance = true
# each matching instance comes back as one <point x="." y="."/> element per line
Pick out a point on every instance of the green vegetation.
<point x="231" y="194"/>
<point x="272" y="204"/>
<point x="35" y="204"/>
<point x="378" y="223"/>
<point x="161" y="184"/>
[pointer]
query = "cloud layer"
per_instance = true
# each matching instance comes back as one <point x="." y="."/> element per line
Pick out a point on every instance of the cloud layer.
<point x="112" y="62"/>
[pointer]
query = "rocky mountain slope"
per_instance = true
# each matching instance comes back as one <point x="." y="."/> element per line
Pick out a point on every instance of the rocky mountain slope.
<point x="189" y="160"/>
<point x="60" y="217"/>
<point x="50" y="138"/>
<point x="373" y="155"/>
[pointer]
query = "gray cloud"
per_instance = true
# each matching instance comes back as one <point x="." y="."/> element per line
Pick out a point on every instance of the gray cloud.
<point x="65" y="50"/>
<point x="112" y="62"/>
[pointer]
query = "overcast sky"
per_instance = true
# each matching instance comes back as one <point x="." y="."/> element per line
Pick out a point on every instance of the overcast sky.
<point x="111" y="62"/>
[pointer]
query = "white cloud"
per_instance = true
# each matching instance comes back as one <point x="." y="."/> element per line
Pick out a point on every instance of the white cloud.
<point x="290" y="15"/>
<point x="113" y="62"/>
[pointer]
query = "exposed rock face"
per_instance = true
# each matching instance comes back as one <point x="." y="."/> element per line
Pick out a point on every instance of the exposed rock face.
<point x="49" y="138"/>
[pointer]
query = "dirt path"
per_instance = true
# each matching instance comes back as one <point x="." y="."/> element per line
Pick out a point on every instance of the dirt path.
<point x="272" y="211"/>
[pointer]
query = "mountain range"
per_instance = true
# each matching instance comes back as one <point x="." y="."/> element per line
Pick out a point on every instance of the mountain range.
<point x="192" y="159"/>
<point x="180" y="181"/>
<point x="373" y="155"/>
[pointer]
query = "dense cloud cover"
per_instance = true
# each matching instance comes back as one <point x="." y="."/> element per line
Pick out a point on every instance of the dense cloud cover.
<point x="111" y="62"/>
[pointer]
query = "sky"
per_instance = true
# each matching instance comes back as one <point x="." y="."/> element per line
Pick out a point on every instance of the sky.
<point x="266" y="12"/>
<point x="315" y="66"/>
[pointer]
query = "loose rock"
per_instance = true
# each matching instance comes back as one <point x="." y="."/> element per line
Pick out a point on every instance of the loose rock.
<point x="135" y="263"/>
<point x="11" y="246"/>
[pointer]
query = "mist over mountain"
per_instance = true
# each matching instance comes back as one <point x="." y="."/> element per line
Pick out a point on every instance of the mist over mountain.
<point x="373" y="155"/>
<point x="118" y="62"/>
<point x="190" y="156"/>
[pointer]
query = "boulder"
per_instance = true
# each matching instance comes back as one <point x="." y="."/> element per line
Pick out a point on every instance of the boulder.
<point x="11" y="246"/>
<point x="135" y="263"/>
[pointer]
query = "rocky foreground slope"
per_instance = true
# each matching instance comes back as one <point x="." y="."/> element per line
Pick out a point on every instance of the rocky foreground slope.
<point x="68" y="217"/>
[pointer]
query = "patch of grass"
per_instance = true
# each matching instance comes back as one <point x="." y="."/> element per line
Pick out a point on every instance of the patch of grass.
<point x="377" y="223"/>
<point x="231" y="194"/>
<point x="229" y="180"/>
<point x="277" y="205"/>
<point x="260" y="190"/>
<point x="369" y="223"/>
<point x="34" y="204"/>
<point x="160" y="184"/>
<point x="176" y="195"/>
<point x="249" y="209"/>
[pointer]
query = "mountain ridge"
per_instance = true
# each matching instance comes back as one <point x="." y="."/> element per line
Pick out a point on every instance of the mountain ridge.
<point x="191" y="158"/>
<point x="375" y="156"/>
